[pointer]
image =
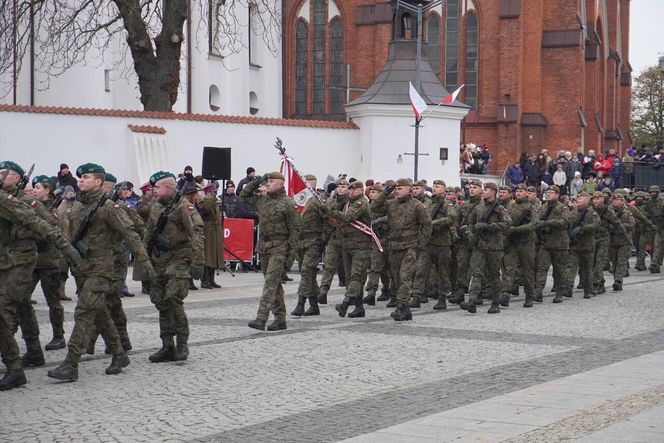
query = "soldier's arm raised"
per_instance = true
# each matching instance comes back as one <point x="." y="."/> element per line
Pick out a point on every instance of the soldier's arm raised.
<point x="248" y="193"/>
<point x="379" y="205"/>
<point x="355" y="210"/>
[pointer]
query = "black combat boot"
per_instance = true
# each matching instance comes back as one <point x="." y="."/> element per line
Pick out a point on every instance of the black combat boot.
<point x="313" y="306"/>
<point x="166" y="353"/>
<point x="654" y="269"/>
<point x="470" y="306"/>
<point x="66" y="372"/>
<point x="33" y="358"/>
<point x="414" y="302"/>
<point x="601" y="289"/>
<point x="358" y="312"/>
<point x="205" y="281"/>
<point x="145" y="287"/>
<point x="514" y="291"/>
<point x="494" y="309"/>
<point x="441" y="305"/>
<point x="56" y="343"/>
<point x="126" y="344"/>
<point x="181" y="350"/>
<point x="568" y="294"/>
<point x="257" y="324"/>
<point x="558" y="298"/>
<point x="505" y="300"/>
<point x="402" y="313"/>
<point x="343" y="306"/>
<point x="392" y="303"/>
<point x="538" y="298"/>
<point x="528" y="303"/>
<point x="192" y="285"/>
<point x="277" y="325"/>
<point x="455" y="299"/>
<point x="13" y="379"/>
<point x="587" y="294"/>
<point x="384" y="295"/>
<point x="479" y="301"/>
<point x="370" y="299"/>
<point x="213" y="283"/>
<point x="424" y="299"/>
<point x="299" y="309"/>
<point x="117" y="363"/>
<point x="617" y="286"/>
<point x="322" y="295"/>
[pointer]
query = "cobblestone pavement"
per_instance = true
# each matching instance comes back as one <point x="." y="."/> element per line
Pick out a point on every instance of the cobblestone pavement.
<point x="327" y="378"/>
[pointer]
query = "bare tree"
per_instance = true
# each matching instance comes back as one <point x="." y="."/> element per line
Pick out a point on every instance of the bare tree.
<point x="648" y="107"/>
<point x="65" y="33"/>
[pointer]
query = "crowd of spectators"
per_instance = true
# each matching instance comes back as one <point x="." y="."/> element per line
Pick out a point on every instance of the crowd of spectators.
<point x="474" y="159"/>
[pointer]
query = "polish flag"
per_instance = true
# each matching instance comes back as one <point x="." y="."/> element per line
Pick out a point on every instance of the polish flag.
<point x="294" y="183"/>
<point x="451" y="97"/>
<point x="416" y="101"/>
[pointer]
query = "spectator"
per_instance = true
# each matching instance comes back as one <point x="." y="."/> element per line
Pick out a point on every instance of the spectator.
<point x="602" y="165"/>
<point x="628" y="169"/>
<point x="573" y="166"/>
<point x="65" y="178"/>
<point x="523" y="160"/>
<point x="560" y="179"/>
<point x="576" y="185"/>
<point x="588" y="162"/>
<point x="515" y="174"/>
<point x="251" y="173"/>
<point x="616" y="172"/>
<point x="590" y="185"/>
<point x="466" y="161"/>
<point x="531" y="172"/>
<point x="542" y="164"/>
<point x="547" y="179"/>
<point x="605" y="183"/>
<point x="232" y="206"/>
<point x="186" y="176"/>
<point x="485" y="158"/>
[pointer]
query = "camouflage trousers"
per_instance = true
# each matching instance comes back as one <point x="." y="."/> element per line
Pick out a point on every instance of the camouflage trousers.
<point x="378" y="270"/>
<point x="519" y="267"/>
<point x="356" y="262"/>
<point x="308" y="286"/>
<point x="580" y="262"/>
<point x="435" y="260"/>
<point x="167" y="292"/>
<point x="551" y="257"/>
<point x="50" y="279"/>
<point x="463" y="255"/>
<point x="658" y="249"/>
<point x="117" y="313"/>
<point x="90" y="313"/>
<point x="640" y="240"/>
<point x="272" y="298"/>
<point x="453" y="266"/>
<point x="333" y="257"/>
<point x="601" y="257"/>
<point x="403" y="271"/>
<point x="618" y="255"/>
<point x="21" y="282"/>
<point x="485" y="274"/>
<point x="14" y="298"/>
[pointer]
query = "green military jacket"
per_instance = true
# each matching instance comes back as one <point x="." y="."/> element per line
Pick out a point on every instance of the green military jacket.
<point x="356" y="209"/>
<point x="143" y="208"/>
<point x="22" y="246"/>
<point x="279" y="220"/>
<point x="489" y="238"/>
<point x="622" y="237"/>
<point x="121" y="258"/>
<point x="552" y="225"/>
<point x="313" y="225"/>
<point x="643" y="224"/>
<point x="333" y="229"/>
<point x="49" y="256"/>
<point x="442" y="221"/>
<point x="408" y="221"/>
<point x="463" y="217"/>
<point x="654" y="210"/>
<point x="609" y="223"/>
<point x="583" y="222"/>
<point x="524" y="216"/>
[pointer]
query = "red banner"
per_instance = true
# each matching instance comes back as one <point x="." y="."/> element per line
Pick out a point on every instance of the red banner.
<point x="239" y="238"/>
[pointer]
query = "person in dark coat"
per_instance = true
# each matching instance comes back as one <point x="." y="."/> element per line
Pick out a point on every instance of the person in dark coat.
<point x="251" y="173"/>
<point x="515" y="174"/>
<point x="65" y="178"/>
<point x="531" y="172"/>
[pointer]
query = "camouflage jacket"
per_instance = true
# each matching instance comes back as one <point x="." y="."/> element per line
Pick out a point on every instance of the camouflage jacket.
<point x="143" y="208"/>
<point x="333" y="229"/>
<point x="121" y="261"/>
<point x="654" y="210"/>
<point x="582" y="230"/>
<point x="279" y="220"/>
<point x="609" y="223"/>
<point x="552" y="225"/>
<point x="643" y="224"/>
<point x="22" y="245"/>
<point x="463" y="217"/>
<point x="313" y="226"/>
<point x="49" y="256"/>
<point x="442" y="222"/>
<point x="490" y="236"/>
<point x="622" y="237"/>
<point x="356" y="209"/>
<point x="408" y="221"/>
<point x="524" y="213"/>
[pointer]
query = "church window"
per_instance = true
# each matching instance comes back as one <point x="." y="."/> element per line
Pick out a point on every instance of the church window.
<point x="433" y="41"/>
<point x="301" y="33"/>
<point x="452" y="44"/>
<point x="320" y="24"/>
<point x="470" y="96"/>
<point x="336" y="67"/>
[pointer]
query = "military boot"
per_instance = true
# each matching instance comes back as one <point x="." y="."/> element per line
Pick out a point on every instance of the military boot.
<point x="192" y="285"/>
<point x="66" y="371"/>
<point x="299" y="309"/>
<point x="313" y="306"/>
<point x="504" y="300"/>
<point x="479" y="301"/>
<point x="384" y="295"/>
<point x="587" y="294"/>
<point x="205" y="281"/>
<point x="257" y="324"/>
<point x="277" y="325"/>
<point x="358" y="312"/>
<point x="558" y="298"/>
<point x="654" y="269"/>
<point x="528" y="303"/>
<point x="402" y="313"/>
<point x="441" y="305"/>
<point x="424" y="298"/>
<point x="13" y="379"/>
<point x="470" y="306"/>
<point x="414" y="302"/>
<point x="166" y="353"/>
<point x="640" y="267"/>
<point x="181" y="350"/>
<point x="118" y="362"/>
<point x="494" y="309"/>
<point x="601" y="289"/>
<point x="617" y="286"/>
<point x="370" y="299"/>
<point x="514" y="291"/>
<point x="392" y="303"/>
<point x="455" y="299"/>
<point x="126" y="344"/>
<point x="56" y="343"/>
<point x="33" y="358"/>
<point x="568" y="294"/>
<point x="145" y="287"/>
<point x="213" y="283"/>
<point x="538" y="298"/>
<point x="322" y="295"/>
<point x="343" y="306"/>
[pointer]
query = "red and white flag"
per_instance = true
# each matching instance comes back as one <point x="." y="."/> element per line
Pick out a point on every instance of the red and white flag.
<point x="449" y="99"/>
<point x="294" y="183"/>
<point x="416" y="101"/>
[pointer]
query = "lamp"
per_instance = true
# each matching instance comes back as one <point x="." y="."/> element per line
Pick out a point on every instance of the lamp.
<point x="399" y="159"/>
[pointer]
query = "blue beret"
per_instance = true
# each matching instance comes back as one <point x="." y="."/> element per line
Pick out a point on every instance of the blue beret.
<point x="160" y="175"/>
<point x="43" y="179"/>
<point x="110" y="178"/>
<point x="12" y="167"/>
<point x="89" y="168"/>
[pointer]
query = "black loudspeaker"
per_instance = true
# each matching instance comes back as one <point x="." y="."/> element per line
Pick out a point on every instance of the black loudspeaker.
<point x="216" y="163"/>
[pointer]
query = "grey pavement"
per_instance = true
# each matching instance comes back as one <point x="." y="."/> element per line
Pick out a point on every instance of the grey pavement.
<point x="586" y="370"/>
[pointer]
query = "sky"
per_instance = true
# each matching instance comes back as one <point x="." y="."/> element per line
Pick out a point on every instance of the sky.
<point x="646" y="42"/>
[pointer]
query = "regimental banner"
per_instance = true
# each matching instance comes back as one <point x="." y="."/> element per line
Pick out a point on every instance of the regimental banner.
<point x="294" y="183"/>
<point x="239" y="238"/>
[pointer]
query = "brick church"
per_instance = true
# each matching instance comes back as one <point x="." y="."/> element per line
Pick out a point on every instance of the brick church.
<point x="537" y="73"/>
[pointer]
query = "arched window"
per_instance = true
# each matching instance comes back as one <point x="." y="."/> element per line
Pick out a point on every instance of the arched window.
<point x="336" y="66"/>
<point x="433" y="41"/>
<point x="320" y="22"/>
<point x="471" y="61"/>
<point x="452" y="44"/>
<point x="301" y="33"/>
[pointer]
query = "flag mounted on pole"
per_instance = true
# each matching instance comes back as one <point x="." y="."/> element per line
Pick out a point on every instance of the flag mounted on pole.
<point x="294" y="183"/>
<point x="449" y="99"/>
<point x="416" y="101"/>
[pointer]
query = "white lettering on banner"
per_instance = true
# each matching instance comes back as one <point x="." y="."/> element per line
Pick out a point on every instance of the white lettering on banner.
<point x="227" y="232"/>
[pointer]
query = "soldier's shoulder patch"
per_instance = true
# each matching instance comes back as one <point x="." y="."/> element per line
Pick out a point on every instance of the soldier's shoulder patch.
<point x="116" y="206"/>
<point x="190" y="207"/>
<point x="34" y="203"/>
<point x="12" y="199"/>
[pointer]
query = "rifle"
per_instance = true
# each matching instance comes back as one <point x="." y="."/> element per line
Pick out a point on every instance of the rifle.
<point x="524" y="217"/>
<point x="118" y="191"/>
<point x="24" y="181"/>
<point x="78" y="242"/>
<point x="464" y="222"/>
<point x="487" y="215"/>
<point x="541" y="231"/>
<point x="439" y="206"/>
<point x="577" y="224"/>
<point x="158" y="241"/>
<point x="58" y="199"/>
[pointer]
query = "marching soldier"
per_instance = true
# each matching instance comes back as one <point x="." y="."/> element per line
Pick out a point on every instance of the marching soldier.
<point x="583" y="222"/>
<point x="609" y="222"/>
<point x="644" y="233"/>
<point x="279" y="226"/>
<point x="334" y="249"/>
<point x="379" y="269"/>
<point x="654" y="209"/>
<point x="619" y="242"/>
<point x="143" y="209"/>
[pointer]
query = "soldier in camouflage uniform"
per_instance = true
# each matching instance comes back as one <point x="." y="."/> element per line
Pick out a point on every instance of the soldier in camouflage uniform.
<point x="143" y="209"/>
<point x="312" y="242"/>
<point x="620" y="244"/>
<point x="644" y="233"/>
<point x="95" y="271"/>
<point x="379" y="270"/>
<point x="451" y="197"/>
<point x="519" y="258"/>
<point x="333" y="250"/>
<point x="409" y="230"/>
<point x="487" y="223"/>
<point x="279" y="227"/>
<point x="178" y="255"/>
<point x="654" y="209"/>
<point x="464" y="249"/>
<point x="583" y="221"/>
<point x="553" y="239"/>
<point x="426" y="274"/>
<point x="14" y="215"/>
<point x="356" y="245"/>
<point x="609" y="223"/>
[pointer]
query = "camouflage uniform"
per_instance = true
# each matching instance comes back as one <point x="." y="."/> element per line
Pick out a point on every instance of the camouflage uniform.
<point x="311" y="241"/>
<point x="554" y="248"/>
<point x="464" y="249"/>
<point x="609" y="223"/>
<point x="654" y="210"/>
<point x="379" y="269"/>
<point x="644" y="232"/>
<point x="583" y="223"/>
<point x="278" y="235"/>
<point x="333" y="250"/>
<point x="620" y="246"/>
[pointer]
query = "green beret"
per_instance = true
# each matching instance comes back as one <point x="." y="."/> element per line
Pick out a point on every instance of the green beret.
<point x="12" y="167"/>
<point x="110" y="178"/>
<point x="89" y="168"/>
<point x="43" y="179"/>
<point x="159" y="175"/>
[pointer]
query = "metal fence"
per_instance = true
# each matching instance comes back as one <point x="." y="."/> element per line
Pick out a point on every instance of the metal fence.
<point x="645" y="174"/>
